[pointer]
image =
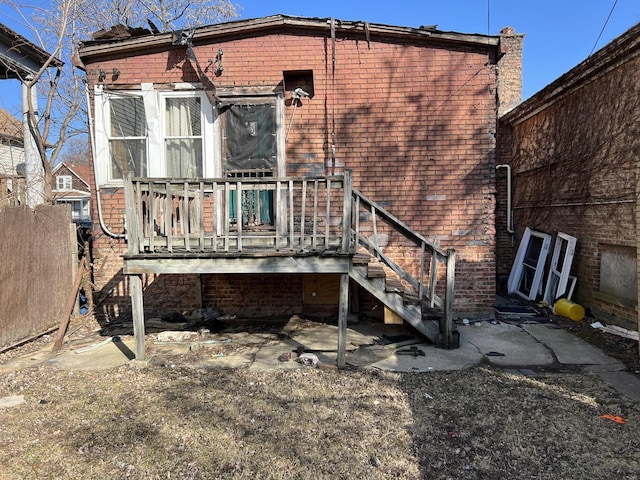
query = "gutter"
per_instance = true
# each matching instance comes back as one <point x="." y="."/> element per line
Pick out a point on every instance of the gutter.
<point x="104" y="227"/>
<point x="91" y="50"/>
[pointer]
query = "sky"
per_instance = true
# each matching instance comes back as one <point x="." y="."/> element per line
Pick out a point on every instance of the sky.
<point x="559" y="34"/>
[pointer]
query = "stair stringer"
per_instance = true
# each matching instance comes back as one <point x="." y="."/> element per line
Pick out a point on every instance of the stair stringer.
<point x="412" y="314"/>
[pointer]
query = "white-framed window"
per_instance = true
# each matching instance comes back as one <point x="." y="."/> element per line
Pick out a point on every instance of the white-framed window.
<point x="127" y="137"/>
<point x="63" y="182"/>
<point x="526" y="274"/>
<point x="183" y="136"/>
<point x="177" y="133"/>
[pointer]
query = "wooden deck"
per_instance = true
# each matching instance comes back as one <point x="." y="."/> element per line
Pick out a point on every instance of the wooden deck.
<point x="277" y="225"/>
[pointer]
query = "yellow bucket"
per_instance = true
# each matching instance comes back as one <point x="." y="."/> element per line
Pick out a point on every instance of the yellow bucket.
<point x="566" y="308"/>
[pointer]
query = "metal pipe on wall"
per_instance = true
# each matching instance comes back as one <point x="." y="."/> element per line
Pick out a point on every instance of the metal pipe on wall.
<point x="509" y="215"/>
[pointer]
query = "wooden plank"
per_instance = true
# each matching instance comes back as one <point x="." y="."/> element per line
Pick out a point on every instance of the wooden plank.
<point x="303" y="211"/>
<point x="375" y="270"/>
<point x="346" y="212"/>
<point x="356" y="212"/>
<point x="343" y="312"/>
<point x="361" y="259"/>
<point x="239" y="216"/>
<point x="393" y="285"/>
<point x="421" y="272"/>
<point x="140" y="222"/>
<point x="433" y="279"/>
<point x="227" y="220"/>
<point x="291" y="212"/>
<point x="327" y="219"/>
<point x="315" y="214"/>
<point x="391" y="317"/>
<point x="71" y="303"/>
<point x="168" y="212"/>
<point x="153" y="216"/>
<point x="202" y="197"/>
<point x="279" y="209"/>
<point x="186" y="217"/>
<point x="447" y="318"/>
<point x="137" y="310"/>
<point x="130" y="215"/>
<point x="284" y="264"/>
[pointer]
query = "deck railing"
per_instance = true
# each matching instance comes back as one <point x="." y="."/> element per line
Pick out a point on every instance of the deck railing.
<point x="235" y="214"/>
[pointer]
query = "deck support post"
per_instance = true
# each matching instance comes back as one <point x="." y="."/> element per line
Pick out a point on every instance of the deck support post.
<point x="447" y="317"/>
<point x="137" y="310"/>
<point x="343" y="311"/>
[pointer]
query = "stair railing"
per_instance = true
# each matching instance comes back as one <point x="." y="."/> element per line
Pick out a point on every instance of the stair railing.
<point x="371" y="223"/>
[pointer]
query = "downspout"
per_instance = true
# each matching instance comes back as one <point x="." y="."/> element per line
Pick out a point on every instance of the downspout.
<point x="509" y="216"/>
<point x="95" y="172"/>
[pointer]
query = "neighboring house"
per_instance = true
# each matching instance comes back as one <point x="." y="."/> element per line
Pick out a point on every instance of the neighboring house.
<point x="293" y="113"/>
<point x="72" y="187"/>
<point x="12" y="183"/>
<point x="21" y="60"/>
<point x="573" y="150"/>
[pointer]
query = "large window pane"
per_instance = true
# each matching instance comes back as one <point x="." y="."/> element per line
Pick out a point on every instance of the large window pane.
<point x="128" y="155"/>
<point x="127" y="117"/>
<point x="183" y="137"/>
<point x="128" y="137"/>
<point x="184" y="157"/>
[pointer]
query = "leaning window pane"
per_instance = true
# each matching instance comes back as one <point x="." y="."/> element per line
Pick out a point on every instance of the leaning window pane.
<point x="184" y="158"/>
<point x="128" y="156"/>
<point x="127" y="117"/>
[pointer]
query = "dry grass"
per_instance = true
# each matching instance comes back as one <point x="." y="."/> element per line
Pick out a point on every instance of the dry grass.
<point x="181" y="423"/>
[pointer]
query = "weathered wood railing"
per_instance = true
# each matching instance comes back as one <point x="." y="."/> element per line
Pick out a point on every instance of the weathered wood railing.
<point x="234" y="214"/>
<point x="374" y="228"/>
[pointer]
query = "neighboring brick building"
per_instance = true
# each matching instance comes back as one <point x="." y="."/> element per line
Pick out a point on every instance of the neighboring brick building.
<point x="412" y="112"/>
<point x="573" y="149"/>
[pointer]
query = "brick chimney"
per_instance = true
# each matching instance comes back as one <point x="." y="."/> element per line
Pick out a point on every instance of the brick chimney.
<point x="509" y="70"/>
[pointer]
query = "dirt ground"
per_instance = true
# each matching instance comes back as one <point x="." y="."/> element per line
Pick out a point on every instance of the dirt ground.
<point x="173" y="421"/>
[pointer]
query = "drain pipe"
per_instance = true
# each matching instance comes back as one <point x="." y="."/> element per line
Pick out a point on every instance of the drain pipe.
<point x="105" y="229"/>
<point x="509" y="216"/>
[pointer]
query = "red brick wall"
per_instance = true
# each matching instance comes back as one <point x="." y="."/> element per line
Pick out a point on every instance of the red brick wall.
<point x="415" y="123"/>
<point x="574" y="171"/>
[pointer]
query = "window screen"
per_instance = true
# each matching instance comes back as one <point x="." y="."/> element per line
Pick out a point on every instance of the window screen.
<point x="250" y="134"/>
<point x="128" y="137"/>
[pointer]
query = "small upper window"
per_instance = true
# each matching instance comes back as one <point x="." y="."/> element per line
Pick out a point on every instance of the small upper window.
<point x="63" y="182"/>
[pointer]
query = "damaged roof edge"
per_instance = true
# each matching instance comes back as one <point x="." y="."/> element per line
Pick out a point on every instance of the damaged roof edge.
<point x="618" y="51"/>
<point x="28" y="48"/>
<point x="93" y="49"/>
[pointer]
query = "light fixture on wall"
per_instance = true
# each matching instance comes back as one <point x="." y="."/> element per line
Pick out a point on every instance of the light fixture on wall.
<point x="101" y="75"/>
<point x="218" y="63"/>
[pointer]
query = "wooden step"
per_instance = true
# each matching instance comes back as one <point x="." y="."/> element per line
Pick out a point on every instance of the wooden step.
<point x="361" y="259"/>
<point x="375" y="270"/>
<point x="393" y="285"/>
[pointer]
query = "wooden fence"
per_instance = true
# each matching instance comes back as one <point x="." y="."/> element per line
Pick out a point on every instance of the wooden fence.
<point x="38" y="258"/>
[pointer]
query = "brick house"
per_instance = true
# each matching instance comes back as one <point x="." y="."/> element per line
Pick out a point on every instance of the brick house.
<point x="573" y="152"/>
<point x="72" y="187"/>
<point x="272" y="108"/>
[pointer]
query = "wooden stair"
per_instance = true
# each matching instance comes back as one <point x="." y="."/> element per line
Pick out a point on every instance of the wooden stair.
<point x="390" y="291"/>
